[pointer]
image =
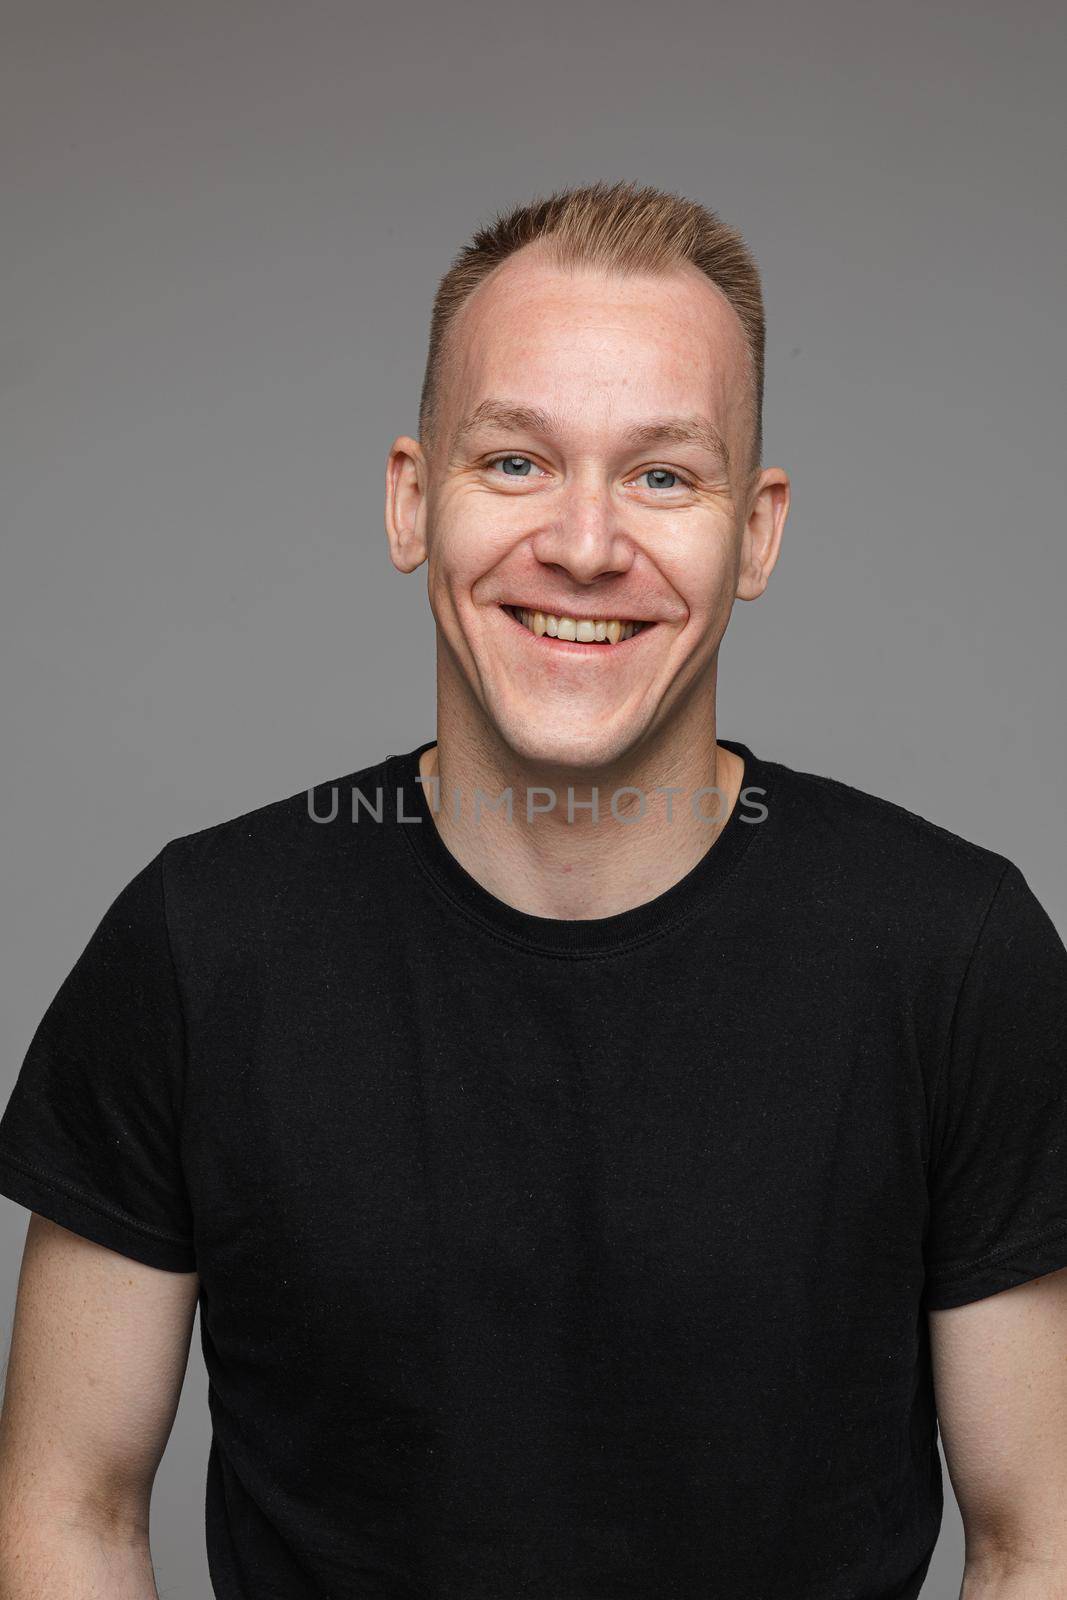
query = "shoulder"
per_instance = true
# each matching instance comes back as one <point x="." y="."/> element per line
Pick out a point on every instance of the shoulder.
<point x="279" y="855"/>
<point x="866" y="849"/>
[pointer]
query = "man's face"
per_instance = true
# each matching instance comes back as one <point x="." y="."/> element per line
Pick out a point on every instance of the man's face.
<point x="542" y="496"/>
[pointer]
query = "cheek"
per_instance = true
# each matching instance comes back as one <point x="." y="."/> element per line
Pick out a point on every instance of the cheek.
<point x="468" y="538"/>
<point x="703" y="573"/>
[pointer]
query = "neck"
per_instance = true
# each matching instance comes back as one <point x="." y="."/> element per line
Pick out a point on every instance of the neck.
<point x="592" y="863"/>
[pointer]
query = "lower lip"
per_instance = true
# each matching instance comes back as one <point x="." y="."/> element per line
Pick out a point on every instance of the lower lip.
<point x="572" y="647"/>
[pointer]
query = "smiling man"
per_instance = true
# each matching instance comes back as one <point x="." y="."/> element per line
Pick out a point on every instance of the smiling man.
<point x="601" y="1154"/>
<point x="589" y="502"/>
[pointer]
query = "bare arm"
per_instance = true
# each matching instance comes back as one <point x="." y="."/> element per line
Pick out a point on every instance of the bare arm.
<point x="1000" y="1378"/>
<point x="99" y="1349"/>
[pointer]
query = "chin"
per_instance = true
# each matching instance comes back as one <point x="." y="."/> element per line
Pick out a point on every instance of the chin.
<point x="541" y="743"/>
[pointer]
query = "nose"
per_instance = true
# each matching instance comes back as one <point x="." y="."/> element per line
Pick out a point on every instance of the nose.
<point x="586" y="539"/>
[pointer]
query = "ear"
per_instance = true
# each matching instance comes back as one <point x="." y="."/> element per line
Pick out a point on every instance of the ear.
<point x="762" y="536"/>
<point x="405" y="503"/>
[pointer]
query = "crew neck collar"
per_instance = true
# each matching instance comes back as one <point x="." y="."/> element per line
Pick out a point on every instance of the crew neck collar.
<point x="407" y="799"/>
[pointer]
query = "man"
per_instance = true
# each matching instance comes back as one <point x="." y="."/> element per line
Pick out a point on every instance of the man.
<point x="594" y="1147"/>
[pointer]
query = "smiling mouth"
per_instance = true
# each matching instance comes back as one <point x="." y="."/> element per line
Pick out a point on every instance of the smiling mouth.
<point x="574" y="629"/>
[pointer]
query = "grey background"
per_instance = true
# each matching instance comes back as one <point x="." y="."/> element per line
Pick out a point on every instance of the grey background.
<point x="224" y="224"/>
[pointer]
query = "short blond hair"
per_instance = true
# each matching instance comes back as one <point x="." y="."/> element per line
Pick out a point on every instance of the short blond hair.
<point x="620" y="228"/>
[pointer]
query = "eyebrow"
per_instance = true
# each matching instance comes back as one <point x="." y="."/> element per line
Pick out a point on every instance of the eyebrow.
<point x="531" y="419"/>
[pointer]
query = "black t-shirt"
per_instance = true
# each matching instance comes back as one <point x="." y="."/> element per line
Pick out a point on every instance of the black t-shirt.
<point x="571" y="1260"/>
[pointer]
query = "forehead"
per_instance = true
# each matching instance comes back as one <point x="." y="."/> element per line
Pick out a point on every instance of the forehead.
<point x="588" y="339"/>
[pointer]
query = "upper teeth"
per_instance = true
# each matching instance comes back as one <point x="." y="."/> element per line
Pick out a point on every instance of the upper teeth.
<point x="584" y="630"/>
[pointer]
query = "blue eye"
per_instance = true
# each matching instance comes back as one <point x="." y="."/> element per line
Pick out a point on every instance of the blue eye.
<point x="516" y="466"/>
<point x="663" y="472"/>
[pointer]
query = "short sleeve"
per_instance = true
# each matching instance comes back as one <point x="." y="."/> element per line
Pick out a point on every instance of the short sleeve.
<point x="90" y="1136"/>
<point x="998" y="1160"/>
